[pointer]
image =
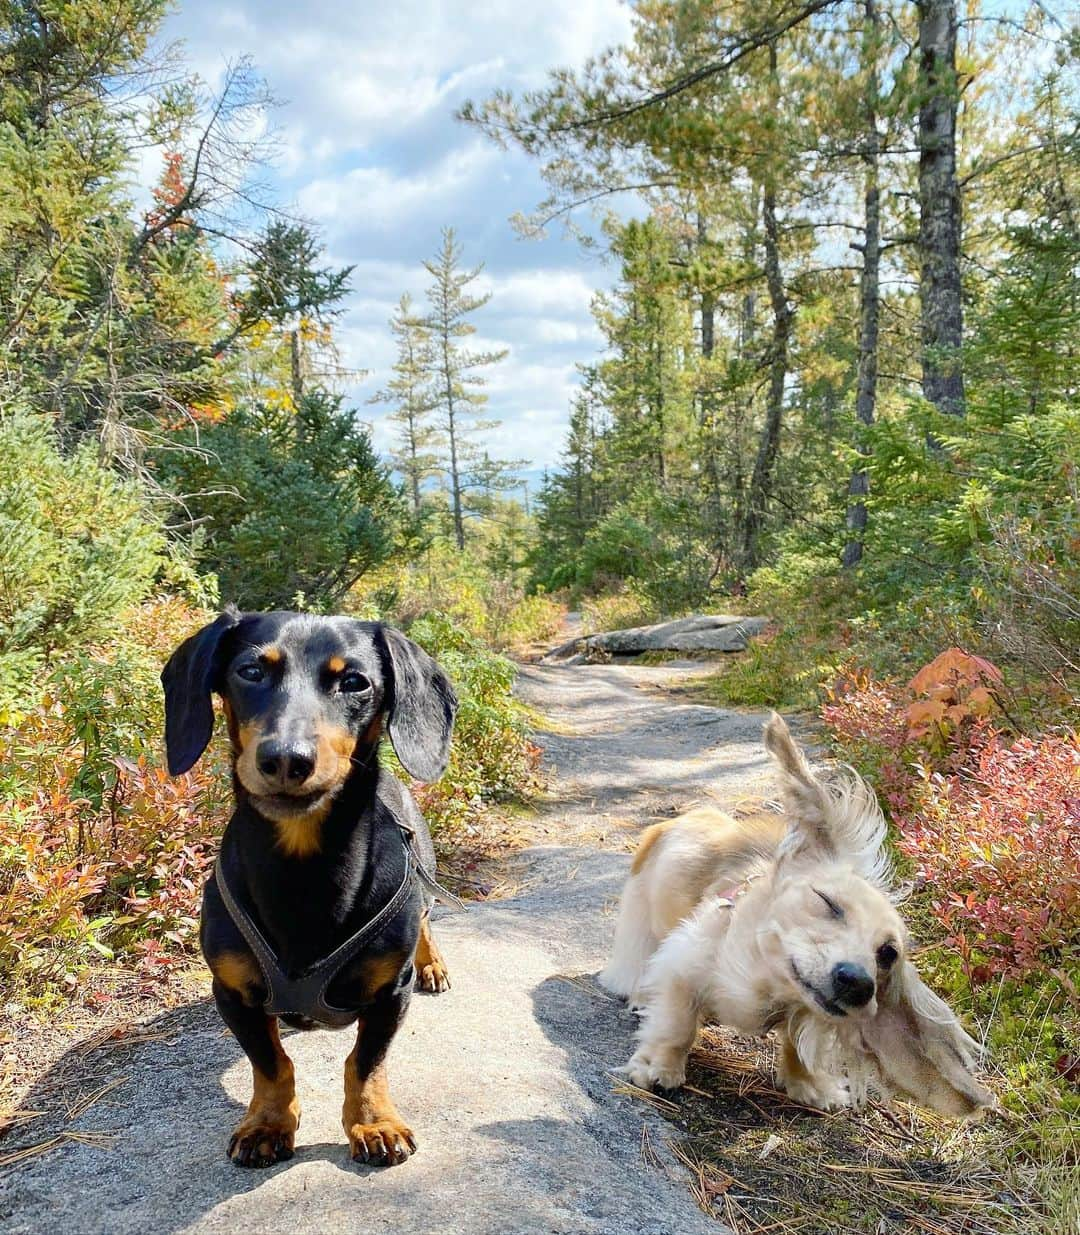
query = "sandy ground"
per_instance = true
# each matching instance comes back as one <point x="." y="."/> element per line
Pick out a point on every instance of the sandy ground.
<point x="506" y="1080"/>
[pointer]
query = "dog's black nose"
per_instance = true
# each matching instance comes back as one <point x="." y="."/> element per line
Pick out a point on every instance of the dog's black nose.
<point x="288" y="763"/>
<point x="852" y="985"/>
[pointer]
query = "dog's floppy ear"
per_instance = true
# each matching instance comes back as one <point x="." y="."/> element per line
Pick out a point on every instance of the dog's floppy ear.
<point x="421" y="708"/>
<point x="920" y="1049"/>
<point x="188" y="679"/>
<point x="806" y="799"/>
<point x="838" y="818"/>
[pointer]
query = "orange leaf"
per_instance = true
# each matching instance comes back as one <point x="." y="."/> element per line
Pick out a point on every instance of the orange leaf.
<point x="952" y="666"/>
<point x="923" y="713"/>
<point x="980" y="702"/>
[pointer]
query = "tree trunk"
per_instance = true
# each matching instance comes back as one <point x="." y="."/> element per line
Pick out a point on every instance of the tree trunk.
<point x="658" y="413"/>
<point x="707" y="415"/>
<point x="451" y="434"/>
<point x="764" y="464"/>
<point x="869" y="293"/>
<point x="939" y="205"/>
<point x="297" y="358"/>
<point x="414" y="476"/>
<point x="708" y="301"/>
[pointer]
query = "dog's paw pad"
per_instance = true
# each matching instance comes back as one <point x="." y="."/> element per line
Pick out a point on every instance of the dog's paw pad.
<point x="433" y="978"/>
<point x="262" y="1142"/>
<point x="386" y="1142"/>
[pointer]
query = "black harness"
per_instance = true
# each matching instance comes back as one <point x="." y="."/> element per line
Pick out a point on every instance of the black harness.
<point x="305" y="994"/>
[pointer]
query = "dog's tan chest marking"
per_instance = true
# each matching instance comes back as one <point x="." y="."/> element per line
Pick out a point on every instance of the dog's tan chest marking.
<point x="380" y="971"/>
<point x="300" y="836"/>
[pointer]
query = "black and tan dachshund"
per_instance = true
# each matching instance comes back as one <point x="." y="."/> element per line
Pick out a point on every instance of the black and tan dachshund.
<point x="318" y="907"/>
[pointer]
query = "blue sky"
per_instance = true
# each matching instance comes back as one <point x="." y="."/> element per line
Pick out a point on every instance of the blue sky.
<point x="370" y="152"/>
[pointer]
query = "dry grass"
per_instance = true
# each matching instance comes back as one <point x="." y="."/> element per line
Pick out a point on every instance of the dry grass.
<point x="762" y="1163"/>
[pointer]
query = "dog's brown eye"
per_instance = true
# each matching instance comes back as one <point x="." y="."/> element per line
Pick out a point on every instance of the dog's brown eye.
<point x="352" y="682"/>
<point x="251" y="673"/>
<point x="834" y="908"/>
<point x="886" y="955"/>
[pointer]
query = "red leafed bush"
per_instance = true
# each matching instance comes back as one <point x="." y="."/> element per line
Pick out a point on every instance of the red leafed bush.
<point x="991" y="826"/>
<point x="101" y="853"/>
<point x="75" y="880"/>
<point x="999" y="845"/>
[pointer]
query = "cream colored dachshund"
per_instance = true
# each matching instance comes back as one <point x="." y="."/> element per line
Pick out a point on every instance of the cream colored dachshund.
<point x="783" y="922"/>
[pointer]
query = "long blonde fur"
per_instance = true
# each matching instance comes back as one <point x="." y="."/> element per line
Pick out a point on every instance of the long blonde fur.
<point x="747" y="921"/>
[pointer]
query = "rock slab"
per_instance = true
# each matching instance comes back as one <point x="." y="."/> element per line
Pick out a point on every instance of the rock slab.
<point x="703" y="632"/>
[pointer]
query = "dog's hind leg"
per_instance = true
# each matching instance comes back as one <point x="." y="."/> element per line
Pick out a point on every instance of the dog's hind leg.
<point x="376" y="1131"/>
<point x="431" y="971"/>
<point x="266" y="1133"/>
<point x="634" y="943"/>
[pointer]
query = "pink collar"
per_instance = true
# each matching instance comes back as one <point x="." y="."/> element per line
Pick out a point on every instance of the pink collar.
<point x="727" y="898"/>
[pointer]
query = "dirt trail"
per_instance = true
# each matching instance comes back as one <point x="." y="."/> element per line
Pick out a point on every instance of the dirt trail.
<point x="505" y="1079"/>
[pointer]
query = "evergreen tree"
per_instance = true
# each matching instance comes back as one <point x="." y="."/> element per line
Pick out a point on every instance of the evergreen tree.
<point x="294" y="500"/>
<point x="457" y="380"/>
<point x="411" y="394"/>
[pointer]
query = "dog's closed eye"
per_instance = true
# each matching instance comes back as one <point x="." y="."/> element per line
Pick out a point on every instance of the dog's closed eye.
<point x="834" y="908"/>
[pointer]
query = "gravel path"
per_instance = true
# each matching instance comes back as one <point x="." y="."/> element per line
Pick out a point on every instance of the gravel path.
<point x="505" y="1079"/>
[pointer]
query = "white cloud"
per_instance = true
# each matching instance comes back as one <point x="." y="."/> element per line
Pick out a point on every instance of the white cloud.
<point x="370" y="152"/>
<point x="387" y="200"/>
<point x="356" y="76"/>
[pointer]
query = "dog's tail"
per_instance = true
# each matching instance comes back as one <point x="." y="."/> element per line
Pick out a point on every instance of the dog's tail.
<point x="634" y="940"/>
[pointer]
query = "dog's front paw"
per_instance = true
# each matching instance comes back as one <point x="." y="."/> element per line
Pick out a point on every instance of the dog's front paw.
<point x="433" y="977"/>
<point x="263" y="1138"/>
<point x="386" y="1142"/>
<point x="637" y="1002"/>
<point x="824" y="1093"/>
<point x="656" y="1069"/>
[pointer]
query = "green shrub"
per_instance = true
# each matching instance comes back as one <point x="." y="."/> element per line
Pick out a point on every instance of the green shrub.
<point x="296" y="505"/>
<point x="629" y="606"/>
<point x="77" y="548"/>
<point x="488" y="606"/>
<point x="654" y="540"/>
<point x="491" y="757"/>
<point x="531" y="619"/>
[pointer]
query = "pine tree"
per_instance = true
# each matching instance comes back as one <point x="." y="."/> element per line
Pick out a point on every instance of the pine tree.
<point x="411" y="393"/>
<point x="457" y="379"/>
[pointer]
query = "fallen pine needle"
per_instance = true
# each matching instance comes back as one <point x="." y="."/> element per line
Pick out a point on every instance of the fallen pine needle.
<point x="583" y="983"/>
<point x="648" y="1154"/>
<point x="624" y="1087"/>
<point x="122" y="1035"/>
<point x="26" y="1152"/>
<point x="81" y="1105"/>
<point x="95" y="1140"/>
<point x="17" y="1118"/>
